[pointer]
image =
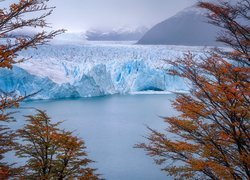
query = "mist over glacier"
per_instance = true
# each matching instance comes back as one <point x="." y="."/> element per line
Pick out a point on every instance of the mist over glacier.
<point x="87" y="70"/>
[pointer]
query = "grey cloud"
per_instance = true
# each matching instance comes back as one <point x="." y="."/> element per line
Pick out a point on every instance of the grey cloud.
<point x="80" y="15"/>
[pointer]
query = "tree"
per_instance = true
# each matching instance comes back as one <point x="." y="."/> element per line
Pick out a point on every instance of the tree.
<point x="21" y="15"/>
<point x="212" y="133"/>
<point x="52" y="153"/>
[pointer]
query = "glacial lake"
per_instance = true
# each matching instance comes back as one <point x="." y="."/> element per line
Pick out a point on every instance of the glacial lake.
<point x="110" y="127"/>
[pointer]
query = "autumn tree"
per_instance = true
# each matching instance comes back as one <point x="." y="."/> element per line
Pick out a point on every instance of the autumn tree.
<point x="52" y="153"/>
<point x="19" y="16"/>
<point x="210" y="139"/>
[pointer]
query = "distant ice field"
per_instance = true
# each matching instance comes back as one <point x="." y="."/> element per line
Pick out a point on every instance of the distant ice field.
<point x="66" y="70"/>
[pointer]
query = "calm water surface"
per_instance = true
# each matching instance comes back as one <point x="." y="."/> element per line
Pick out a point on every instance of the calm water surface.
<point x="111" y="126"/>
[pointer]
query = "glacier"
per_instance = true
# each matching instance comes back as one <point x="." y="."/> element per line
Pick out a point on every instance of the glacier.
<point x="92" y="69"/>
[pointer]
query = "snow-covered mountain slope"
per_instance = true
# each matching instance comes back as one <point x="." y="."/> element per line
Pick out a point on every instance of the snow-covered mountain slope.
<point x="63" y="71"/>
<point x="120" y="34"/>
<point x="188" y="27"/>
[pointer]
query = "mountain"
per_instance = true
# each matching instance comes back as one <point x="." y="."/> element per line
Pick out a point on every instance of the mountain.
<point x="188" y="27"/>
<point x="121" y="34"/>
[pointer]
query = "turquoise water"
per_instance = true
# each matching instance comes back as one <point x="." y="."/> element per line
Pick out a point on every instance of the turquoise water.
<point x="111" y="126"/>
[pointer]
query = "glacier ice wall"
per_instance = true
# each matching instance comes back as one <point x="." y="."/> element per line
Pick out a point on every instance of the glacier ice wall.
<point x="23" y="83"/>
<point x="64" y="71"/>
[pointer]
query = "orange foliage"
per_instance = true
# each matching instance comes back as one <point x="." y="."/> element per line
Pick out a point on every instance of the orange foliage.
<point x="52" y="153"/>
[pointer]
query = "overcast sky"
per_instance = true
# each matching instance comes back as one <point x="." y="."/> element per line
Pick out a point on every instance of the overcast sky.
<point x="81" y="15"/>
